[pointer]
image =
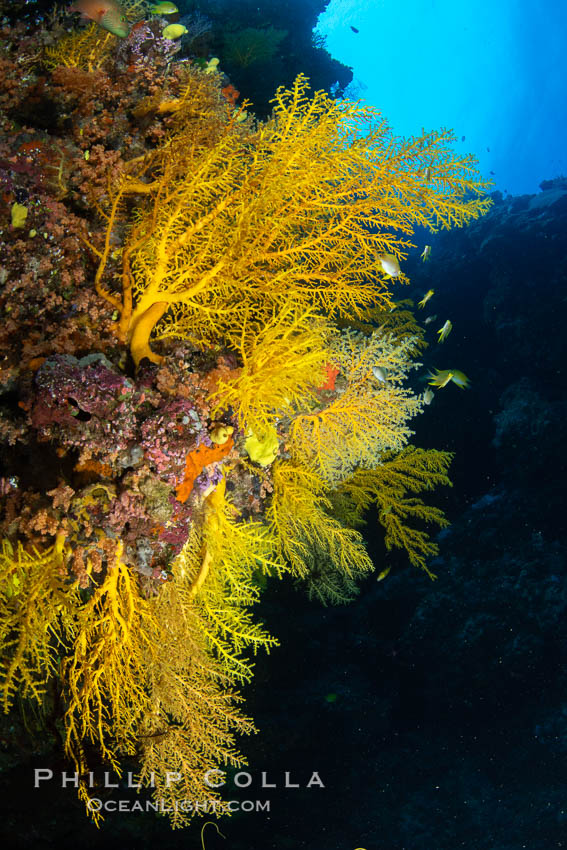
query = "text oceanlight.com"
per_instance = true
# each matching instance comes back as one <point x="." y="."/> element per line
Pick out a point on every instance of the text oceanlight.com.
<point x="205" y="806"/>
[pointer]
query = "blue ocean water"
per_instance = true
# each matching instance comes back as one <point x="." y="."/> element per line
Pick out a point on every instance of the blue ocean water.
<point x="492" y="71"/>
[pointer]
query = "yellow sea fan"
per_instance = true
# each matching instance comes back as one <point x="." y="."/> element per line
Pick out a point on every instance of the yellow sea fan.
<point x="87" y="49"/>
<point x="37" y="617"/>
<point x="283" y="362"/>
<point x="368" y="417"/>
<point x="299" y="517"/>
<point x="299" y="210"/>
<point x="221" y="571"/>
<point x="391" y="486"/>
<point x="195" y="712"/>
<point x="106" y="675"/>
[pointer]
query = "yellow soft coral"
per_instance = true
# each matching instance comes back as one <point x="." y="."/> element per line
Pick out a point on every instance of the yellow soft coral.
<point x="368" y="417"/>
<point x="37" y="607"/>
<point x="106" y="674"/>
<point x="298" y="212"/>
<point x="222" y="582"/>
<point x="88" y="49"/>
<point x="391" y="486"/>
<point x="256" y="239"/>
<point x="299" y="516"/>
<point x="282" y="365"/>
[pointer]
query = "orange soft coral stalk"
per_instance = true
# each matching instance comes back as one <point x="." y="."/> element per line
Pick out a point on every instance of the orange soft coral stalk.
<point x="196" y="461"/>
<point x="331" y="373"/>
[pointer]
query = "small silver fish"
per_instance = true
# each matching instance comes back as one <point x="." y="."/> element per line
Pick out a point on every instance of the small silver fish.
<point x="380" y="374"/>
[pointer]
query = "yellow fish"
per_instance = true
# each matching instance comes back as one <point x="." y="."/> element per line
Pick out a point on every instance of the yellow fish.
<point x="445" y="331"/>
<point x="383" y="574"/>
<point x="164" y="7"/>
<point x="428" y="396"/>
<point x="430" y="319"/>
<point x="390" y="265"/>
<point x="426" y="253"/>
<point x="441" y="377"/>
<point x="173" y="31"/>
<point x="429" y="294"/>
